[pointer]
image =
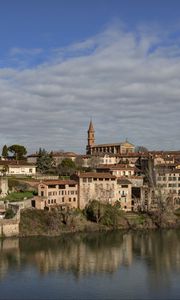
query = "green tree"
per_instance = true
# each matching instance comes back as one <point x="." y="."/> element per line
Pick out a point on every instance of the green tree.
<point x="18" y="151"/>
<point x="45" y="162"/>
<point x="5" y="151"/>
<point x="66" y="167"/>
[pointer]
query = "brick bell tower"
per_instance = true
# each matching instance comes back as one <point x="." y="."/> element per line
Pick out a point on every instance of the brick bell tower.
<point x="91" y="138"/>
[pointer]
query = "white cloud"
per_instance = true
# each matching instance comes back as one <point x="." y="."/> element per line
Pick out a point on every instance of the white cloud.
<point x="128" y="82"/>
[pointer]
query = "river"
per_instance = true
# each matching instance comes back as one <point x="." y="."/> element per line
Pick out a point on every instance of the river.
<point x="107" y="265"/>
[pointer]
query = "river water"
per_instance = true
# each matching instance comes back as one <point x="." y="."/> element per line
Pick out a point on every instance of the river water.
<point x="112" y="265"/>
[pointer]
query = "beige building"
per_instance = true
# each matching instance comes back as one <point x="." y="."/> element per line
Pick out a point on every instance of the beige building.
<point x="118" y="170"/>
<point x="10" y="167"/>
<point x="115" y="148"/>
<point x="169" y="183"/>
<point x="96" y="186"/>
<point x="57" y="192"/>
<point x="124" y="190"/>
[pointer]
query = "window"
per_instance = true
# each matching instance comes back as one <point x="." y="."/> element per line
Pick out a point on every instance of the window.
<point x="62" y="199"/>
<point x="42" y="193"/>
<point x="74" y="199"/>
<point x="84" y="179"/>
<point x="49" y="201"/>
<point x="61" y="186"/>
<point x="69" y="199"/>
<point x="89" y="179"/>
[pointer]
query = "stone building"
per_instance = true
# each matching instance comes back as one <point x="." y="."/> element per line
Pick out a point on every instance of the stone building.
<point x="57" y="192"/>
<point x="124" y="190"/>
<point x="115" y="148"/>
<point x="96" y="186"/>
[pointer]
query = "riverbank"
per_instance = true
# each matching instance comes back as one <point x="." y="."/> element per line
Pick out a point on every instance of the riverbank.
<point x="54" y="223"/>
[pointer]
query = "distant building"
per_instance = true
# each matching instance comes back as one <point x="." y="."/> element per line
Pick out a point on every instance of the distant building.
<point x="115" y="148"/>
<point x="17" y="168"/>
<point x="57" y="156"/>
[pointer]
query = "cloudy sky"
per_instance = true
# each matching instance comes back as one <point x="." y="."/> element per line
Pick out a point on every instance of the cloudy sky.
<point x="65" y="62"/>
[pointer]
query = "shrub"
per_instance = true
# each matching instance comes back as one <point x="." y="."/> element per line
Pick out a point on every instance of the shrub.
<point x="9" y="213"/>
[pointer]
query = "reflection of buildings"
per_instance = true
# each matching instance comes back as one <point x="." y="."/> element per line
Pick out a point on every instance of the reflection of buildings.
<point x="80" y="257"/>
<point x="9" y="248"/>
<point x="84" y="254"/>
<point x="162" y="253"/>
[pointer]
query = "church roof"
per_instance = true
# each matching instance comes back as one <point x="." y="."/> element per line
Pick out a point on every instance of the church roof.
<point x="127" y="144"/>
<point x="91" y="128"/>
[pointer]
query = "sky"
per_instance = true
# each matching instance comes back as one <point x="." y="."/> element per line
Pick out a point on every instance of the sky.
<point x="63" y="63"/>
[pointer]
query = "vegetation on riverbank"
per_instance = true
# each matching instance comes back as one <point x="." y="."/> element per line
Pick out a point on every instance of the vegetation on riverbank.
<point x="95" y="217"/>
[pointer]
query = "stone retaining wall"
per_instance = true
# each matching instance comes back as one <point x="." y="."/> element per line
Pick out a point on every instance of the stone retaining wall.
<point x="9" y="228"/>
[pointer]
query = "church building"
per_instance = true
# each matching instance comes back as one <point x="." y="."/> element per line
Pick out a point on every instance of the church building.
<point x="115" y="148"/>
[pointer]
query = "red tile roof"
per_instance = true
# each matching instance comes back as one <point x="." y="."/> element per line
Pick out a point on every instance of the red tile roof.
<point x="56" y="182"/>
<point x="96" y="175"/>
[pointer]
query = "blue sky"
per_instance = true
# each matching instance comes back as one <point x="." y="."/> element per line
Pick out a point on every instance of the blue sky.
<point x="63" y="62"/>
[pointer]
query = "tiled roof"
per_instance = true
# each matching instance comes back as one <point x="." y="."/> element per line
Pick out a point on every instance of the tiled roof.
<point x="96" y="175"/>
<point x="112" y="144"/>
<point x="15" y="163"/>
<point x="123" y="181"/>
<point x="55" y="182"/>
<point x="115" y="167"/>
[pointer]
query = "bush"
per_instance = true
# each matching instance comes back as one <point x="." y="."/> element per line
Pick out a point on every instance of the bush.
<point x="103" y="213"/>
<point x="9" y="213"/>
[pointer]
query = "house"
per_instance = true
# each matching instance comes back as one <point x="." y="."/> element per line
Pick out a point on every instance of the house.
<point x="96" y="186"/>
<point x="14" y="167"/>
<point x="56" y="192"/>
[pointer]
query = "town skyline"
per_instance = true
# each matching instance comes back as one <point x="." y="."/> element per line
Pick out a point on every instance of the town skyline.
<point x="113" y="61"/>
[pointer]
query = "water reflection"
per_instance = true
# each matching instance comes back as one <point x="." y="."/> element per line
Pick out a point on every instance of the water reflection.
<point x="83" y="254"/>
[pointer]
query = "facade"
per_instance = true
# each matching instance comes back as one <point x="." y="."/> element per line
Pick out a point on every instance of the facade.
<point x="124" y="191"/>
<point x="118" y="170"/>
<point x="17" y="168"/>
<point x="169" y="183"/>
<point x="115" y="148"/>
<point x="96" y="186"/>
<point x="57" y="192"/>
